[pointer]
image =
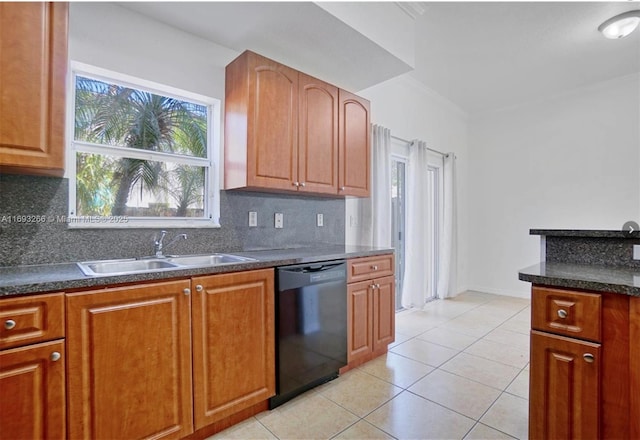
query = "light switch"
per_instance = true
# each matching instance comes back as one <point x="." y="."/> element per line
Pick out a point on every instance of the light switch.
<point x="636" y="251"/>
<point x="253" y="219"/>
<point x="279" y="220"/>
<point x="320" y="220"/>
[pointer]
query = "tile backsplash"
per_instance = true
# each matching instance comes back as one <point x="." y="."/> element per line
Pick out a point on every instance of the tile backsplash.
<point x="52" y="241"/>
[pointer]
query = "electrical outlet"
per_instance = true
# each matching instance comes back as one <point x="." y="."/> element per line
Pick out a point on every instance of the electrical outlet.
<point x="320" y="220"/>
<point x="636" y="251"/>
<point x="279" y="220"/>
<point x="253" y="219"/>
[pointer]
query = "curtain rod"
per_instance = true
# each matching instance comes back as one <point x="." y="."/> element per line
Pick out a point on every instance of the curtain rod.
<point x="408" y="142"/>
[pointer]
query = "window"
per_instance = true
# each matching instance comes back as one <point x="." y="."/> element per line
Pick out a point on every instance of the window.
<point x="142" y="154"/>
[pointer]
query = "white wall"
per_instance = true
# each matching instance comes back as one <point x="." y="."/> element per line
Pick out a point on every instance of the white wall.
<point x="571" y="162"/>
<point x="115" y="38"/>
<point x="410" y="110"/>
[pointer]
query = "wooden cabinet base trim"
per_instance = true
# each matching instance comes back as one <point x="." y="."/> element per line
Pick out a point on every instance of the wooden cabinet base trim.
<point x="229" y="421"/>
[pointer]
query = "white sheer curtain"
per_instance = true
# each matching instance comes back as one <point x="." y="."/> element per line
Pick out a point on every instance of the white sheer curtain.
<point x="381" y="186"/>
<point x="448" y="255"/>
<point x="414" y="291"/>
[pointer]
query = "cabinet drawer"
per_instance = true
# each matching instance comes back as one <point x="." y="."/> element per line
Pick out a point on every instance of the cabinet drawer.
<point x="31" y="319"/>
<point x="565" y="312"/>
<point x="369" y="267"/>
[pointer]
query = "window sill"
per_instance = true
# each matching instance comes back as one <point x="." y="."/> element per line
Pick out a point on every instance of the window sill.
<point x="111" y="222"/>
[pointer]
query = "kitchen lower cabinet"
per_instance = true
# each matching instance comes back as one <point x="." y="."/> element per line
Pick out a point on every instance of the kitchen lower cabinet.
<point x="33" y="69"/>
<point x="233" y="343"/>
<point x="585" y="363"/>
<point x="370" y="307"/>
<point x="129" y="362"/>
<point x="565" y="393"/>
<point x="32" y="391"/>
<point x="32" y="367"/>
<point x="634" y="367"/>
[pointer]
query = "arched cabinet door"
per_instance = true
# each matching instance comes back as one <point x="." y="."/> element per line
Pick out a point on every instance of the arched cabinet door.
<point x="318" y="136"/>
<point x="354" y="143"/>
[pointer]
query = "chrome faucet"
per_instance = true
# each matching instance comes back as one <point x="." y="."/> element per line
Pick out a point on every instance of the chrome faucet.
<point x="158" y="246"/>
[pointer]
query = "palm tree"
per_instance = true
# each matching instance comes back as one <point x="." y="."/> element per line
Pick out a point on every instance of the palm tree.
<point x="116" y="115"/>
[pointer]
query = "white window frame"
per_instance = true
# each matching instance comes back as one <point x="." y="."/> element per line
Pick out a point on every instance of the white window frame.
<point x="213" y="168"/>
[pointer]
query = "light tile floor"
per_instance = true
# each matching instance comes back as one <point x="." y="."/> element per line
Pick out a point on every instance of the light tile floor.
<point x="459" y="369"/>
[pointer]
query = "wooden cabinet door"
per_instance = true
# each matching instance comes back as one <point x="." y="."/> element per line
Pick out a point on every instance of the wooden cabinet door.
<point x="317" y="136"/>
<point x="354" y="145"/>
<point x="129" y="366"/>
<point x="32" y="392"/>
<point x="359" y="320"/>
<point x="272" y="132"/>
<point x="384" y="312"/>
<point x="33" y="66"/>
<point x="564" y="400"/>
<point x="233" y="343"/>
<point x="634" y="359"/>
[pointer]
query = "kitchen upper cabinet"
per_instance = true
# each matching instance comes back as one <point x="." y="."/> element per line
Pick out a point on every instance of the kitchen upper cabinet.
<point x="318" y="136"/>
<point x="287" y="131"/>
<point x="565" y="391"/>
<point x="261" y="124"/>
<point x="233" y="343"/>
<point x="129" y="362"/>
<point x="32" y="390"/>
<point x="354" y="145"/>
<point x="33" y="66"/>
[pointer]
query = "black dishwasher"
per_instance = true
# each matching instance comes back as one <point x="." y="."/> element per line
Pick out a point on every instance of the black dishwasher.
<point x="311" y="326"/>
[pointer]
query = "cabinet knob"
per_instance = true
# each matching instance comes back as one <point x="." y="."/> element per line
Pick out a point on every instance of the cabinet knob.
<point x="372" y="286"/>
<point x="55" y="356"/>
<point x="588" y="357"/>
<point x="342" y="188"/>
<point x="377" y="285"/>
<point x="199" y="288"/>
<point x="562" y="314"/>
<point x="374" y="267"/>
<point x="186" y="291"/>
<point x="295" y="184"/>
<point x="9" y="324"/>
<point x="303" y="184"/>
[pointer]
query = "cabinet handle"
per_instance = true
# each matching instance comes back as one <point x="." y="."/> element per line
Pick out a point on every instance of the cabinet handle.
<point x="186" y="291"/>
<point x="562" y="314"/>
<point x="199" y="288"/>
<point x="296" y="184"/>
<point x="374" y="267"/>
<point x="588" y="357"/>
<point x="303" y="184"/>
<point x="55" y="356"/>
<point x="9" y="324"/>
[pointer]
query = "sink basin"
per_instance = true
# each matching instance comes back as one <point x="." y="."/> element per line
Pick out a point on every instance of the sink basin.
<point x="126" y="266"/>
<point x="130" y="265"/>
<point x="208" y="260"/>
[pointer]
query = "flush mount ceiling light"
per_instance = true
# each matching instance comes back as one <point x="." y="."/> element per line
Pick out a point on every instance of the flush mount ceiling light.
<point x="621" y="25"/>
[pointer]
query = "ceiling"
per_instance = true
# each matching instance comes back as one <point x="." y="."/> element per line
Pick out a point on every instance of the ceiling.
<point x="479" y="55"/>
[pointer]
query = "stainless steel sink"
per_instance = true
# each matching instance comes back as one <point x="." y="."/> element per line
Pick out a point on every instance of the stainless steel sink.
<point x="208" y="260"/>
<point x="126" y="266"/>
<point x="131" y="265"/>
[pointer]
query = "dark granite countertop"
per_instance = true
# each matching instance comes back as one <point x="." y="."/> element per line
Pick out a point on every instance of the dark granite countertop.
<point x="623" y="280"/>
<point x="587" y="233"/>
<point x="20" y="280"/>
